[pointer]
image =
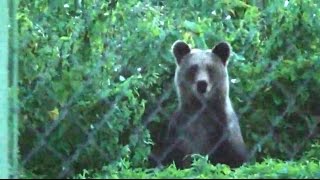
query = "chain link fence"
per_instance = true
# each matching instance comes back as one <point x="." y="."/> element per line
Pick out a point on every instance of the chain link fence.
<point x="96" y="81"/>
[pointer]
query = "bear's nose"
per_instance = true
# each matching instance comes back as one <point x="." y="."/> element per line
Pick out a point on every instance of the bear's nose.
<point x="202" y="86"/>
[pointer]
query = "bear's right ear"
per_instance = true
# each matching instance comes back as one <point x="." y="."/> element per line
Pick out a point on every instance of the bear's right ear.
<point x="180" y="49"/>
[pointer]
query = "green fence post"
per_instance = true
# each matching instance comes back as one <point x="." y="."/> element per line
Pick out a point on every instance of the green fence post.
<point x="4" y="151"/>
<point x="13" y="85"/>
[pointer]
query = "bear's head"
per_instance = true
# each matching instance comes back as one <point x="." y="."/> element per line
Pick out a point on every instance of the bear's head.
<point x="201" y="74"/>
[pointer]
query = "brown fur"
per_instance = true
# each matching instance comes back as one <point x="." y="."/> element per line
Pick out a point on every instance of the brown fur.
<point x="205" y="122"/>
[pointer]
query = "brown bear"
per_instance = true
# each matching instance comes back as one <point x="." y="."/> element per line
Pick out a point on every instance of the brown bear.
<point x="205" y="122"/>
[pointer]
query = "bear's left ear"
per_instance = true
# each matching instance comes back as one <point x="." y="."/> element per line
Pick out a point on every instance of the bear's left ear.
<point x="223" y="51"/>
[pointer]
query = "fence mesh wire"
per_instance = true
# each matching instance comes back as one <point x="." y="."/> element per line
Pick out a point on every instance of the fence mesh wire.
<point x="105" y="111"/>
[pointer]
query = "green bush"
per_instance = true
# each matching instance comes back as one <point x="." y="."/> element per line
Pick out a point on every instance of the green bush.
<point x="313" y="152"/>
<point x="93" y="73"/>
<point x="78" y="108"/>
<point x="201" y="169"/>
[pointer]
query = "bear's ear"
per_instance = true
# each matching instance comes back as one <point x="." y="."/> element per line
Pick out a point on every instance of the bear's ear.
<point x="180" y="49"/>
<point x="223" y="51"/>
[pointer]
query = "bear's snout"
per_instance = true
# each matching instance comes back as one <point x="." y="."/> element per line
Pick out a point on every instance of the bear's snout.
<point x="202" y="87"/>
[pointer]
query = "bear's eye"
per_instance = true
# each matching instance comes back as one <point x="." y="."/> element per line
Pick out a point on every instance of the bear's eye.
<point x="193" y="69"/>
<point x="210" y="70"/>
<point x="191" y="73"/>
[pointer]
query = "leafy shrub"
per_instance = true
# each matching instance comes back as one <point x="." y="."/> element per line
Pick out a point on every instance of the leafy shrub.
<point x="268" y="168"/>
<point x="79" y="111"/>
<point x="312" y="153"/>
<point x="93" y="73"/>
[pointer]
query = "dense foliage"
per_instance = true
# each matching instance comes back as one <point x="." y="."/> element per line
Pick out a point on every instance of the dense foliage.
<point x="303" y="168"/>
<point x="201" y="169"/>
<point x="96" y="77"/>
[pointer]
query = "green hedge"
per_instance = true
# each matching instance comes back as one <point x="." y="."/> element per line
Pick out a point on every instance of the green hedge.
<point x="92" y="74"/>
<point x="201" y="169"/>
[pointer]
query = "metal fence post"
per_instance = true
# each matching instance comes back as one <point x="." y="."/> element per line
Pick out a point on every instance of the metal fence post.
<point x="4" y="151"/>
